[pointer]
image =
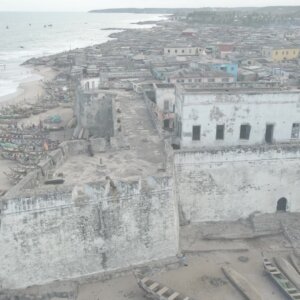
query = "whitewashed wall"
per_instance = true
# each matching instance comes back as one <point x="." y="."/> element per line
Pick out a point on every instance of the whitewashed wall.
<point x="230" y="184"/>
<point x="100" y="228"/>
<point x="90" y="83"/>
<point x="165" y="94"/>
<point x="232" y="110"/>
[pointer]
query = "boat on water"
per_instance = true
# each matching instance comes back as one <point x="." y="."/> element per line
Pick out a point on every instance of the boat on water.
<point x="288" y="288"/>
<point x="157" y="290"/>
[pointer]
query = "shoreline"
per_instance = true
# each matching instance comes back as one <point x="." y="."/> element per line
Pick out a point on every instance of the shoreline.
<point x="29" y="91"/>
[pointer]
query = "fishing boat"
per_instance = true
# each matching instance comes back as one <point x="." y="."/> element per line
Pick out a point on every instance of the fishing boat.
<point x="55" y="181"/>
<point x="288" y="288"/>
<point x="157" y="290"/>
<point x="19" y="170"/>
<point x="241" y="283"/>
<point x="14" y="178"/>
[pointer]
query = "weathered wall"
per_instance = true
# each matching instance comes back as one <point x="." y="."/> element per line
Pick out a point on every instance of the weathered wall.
<point x="234" y="109"/>
<point x="165" y="93"/>
<point x="98" y="227"/>
<point x="95" y="112"/>
<point x="231" y="184"/>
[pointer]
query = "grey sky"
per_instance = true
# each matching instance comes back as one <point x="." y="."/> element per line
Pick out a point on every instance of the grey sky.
<point x="84" y="5"/>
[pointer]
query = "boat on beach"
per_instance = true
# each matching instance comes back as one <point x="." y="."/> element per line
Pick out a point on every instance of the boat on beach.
<point x="157" y="290"/>
<point x="287" y="287"/>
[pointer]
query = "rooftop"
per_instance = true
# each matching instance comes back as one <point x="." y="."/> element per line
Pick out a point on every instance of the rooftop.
<point x="141" y="154"/>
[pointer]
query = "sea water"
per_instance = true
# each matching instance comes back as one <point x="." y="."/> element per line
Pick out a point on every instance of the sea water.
<point x="27" y="35"/>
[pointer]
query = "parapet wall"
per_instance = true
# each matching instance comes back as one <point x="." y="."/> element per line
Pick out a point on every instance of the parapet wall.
<point x="228" y="184"/>
<point x="91" y="229"/>
<point x="58" y="157"/>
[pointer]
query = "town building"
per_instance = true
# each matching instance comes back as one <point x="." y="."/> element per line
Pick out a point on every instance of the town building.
<point x="183" y="51"/>
<point x="228" y="67"/>
<point x="190" y="76"/>
<point x="236" y="116"/>
<point x="165" y="104"/>
<point x="278" y="54"/>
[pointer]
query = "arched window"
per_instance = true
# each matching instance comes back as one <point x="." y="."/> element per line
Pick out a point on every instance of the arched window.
<point x="281" y="205"/>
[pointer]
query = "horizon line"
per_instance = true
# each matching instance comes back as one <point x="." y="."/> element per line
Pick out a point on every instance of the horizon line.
<point x="140" y="8"/>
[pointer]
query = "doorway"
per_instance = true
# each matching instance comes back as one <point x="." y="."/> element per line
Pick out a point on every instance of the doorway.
<point x="167" y="124"/>
<point x="281" y="205"/>
<point x="269" y="133"/>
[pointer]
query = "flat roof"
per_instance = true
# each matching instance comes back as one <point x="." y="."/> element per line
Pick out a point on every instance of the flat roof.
<point x="164" y="86"/>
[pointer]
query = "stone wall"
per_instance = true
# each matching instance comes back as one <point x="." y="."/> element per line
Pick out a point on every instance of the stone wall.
<point x="95" y="112"/>
<point x="228" y="184"/>
<point x="94" y="228"/>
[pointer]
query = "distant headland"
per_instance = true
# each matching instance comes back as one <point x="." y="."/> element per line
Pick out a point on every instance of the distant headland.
<point x="143" y="10"/>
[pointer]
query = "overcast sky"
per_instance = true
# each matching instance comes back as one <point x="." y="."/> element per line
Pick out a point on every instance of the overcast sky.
<point x="85" y="5"/>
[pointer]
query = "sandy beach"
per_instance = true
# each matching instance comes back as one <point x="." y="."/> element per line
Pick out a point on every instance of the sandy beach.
<point x="29" y="91"/>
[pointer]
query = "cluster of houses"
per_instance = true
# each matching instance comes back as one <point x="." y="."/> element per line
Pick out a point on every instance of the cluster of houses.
<point x="169" y="62"/>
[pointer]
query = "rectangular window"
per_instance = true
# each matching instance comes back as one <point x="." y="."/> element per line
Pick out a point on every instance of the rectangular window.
<point x="295" y="130"/>
<point x="166" y="105"/>
<point x="196" y="133"/>
<point x="245" y="132"/>
<point x="220" y="132"/>
<point x="269" y="133"/>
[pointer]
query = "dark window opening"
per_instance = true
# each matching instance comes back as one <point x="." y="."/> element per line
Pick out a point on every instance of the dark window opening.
<point x="220" y="132"/>
<point x="295" y="130"/>
<point x="269" y="133"/>
<point x="179" y="129"/>
<point x="281" y="205"/>
<point x="245" y="132"/>
<point x="166" y="124"/>
<point x="196" y="133"/>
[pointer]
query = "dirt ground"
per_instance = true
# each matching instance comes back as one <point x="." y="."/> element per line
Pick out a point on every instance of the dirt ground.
<point x="203" y="278"/>
<point x="199" y="276"/>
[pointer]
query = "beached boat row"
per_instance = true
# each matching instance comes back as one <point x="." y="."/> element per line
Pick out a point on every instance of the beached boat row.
<point x="285" y="274"/>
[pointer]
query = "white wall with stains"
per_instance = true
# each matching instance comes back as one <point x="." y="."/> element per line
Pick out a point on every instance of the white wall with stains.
<point x="233" y="109"/>
<point x="228" y="184"/>
<point x="95" y="228"/>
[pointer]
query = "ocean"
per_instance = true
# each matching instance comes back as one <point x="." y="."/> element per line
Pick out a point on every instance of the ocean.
<point x="27" y="35"/>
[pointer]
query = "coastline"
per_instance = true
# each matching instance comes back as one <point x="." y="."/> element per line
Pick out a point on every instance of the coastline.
<point x="32" y="88"/>
<point x="29" y="91"/>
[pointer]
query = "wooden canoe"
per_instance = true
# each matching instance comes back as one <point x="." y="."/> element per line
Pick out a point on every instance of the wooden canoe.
<point x="241" y="283"/>
<point x="158" y="291"/>
<point x="281" y="280"/>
